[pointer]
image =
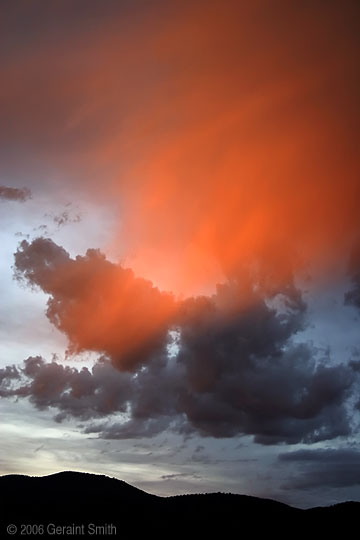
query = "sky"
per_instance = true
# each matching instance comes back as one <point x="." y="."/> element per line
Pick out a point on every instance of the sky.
<point x="180" y="245"/>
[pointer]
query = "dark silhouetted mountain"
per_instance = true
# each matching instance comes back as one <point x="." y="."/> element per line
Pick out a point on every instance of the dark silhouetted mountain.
<point x="71" y="499"/>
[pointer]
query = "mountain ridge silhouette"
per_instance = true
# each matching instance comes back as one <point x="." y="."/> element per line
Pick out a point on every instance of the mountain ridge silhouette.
<point x="77" y="497"/>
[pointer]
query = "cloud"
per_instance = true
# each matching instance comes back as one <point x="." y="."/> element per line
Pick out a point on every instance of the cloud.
<point x="280" y="398"/>
<point x="81" y="393"/>
<point x="65" y="217"/>
<point x="330" y="468"/>
<point x="7" y="376"/>
<point x="245" y="375"/>
<point x="180" y="475"/>
<point x="132" y="429"/>
<point x="241" y="147"/>
<point x="309" y="408"/>
<point x="237" y="369"/>
<point x="14" y="194"/>
<point x="100" y="306"/>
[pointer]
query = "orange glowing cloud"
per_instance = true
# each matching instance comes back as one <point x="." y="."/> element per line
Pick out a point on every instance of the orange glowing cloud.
<point x="222" y="132"/>
<point x="242" y="152"/>
<point x="98" y="305"/>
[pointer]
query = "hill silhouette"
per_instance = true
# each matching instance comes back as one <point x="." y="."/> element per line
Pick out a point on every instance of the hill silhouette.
<point x="72" y="499"/>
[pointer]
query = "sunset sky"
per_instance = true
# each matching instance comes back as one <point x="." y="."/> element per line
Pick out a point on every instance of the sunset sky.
<point x="180" y="244"/>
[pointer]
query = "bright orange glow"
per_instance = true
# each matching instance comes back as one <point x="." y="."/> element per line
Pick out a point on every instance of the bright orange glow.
<point x="102" y="307"/>
<point x="242" y="151"/>
<point x="223" y="131"/>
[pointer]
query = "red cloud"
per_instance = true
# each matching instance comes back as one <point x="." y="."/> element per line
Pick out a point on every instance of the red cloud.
<point x="100" y="306"/>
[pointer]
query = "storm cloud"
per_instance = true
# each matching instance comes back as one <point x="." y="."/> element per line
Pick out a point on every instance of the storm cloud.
<point x="80" y="393"/>
<point x="236" y="369"/>
<point x="309" y="409"/>
<point x="245" y="375"/>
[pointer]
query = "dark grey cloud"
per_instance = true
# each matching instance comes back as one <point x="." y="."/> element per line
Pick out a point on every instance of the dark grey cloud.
<point x="284" y="398"/>
<point x="152" y="400"/>
<point x="14" y="194"/>
<point x="330" y="467"/>
<point x="245" y="376"/>
<point x="35" y="263"/>
<point x="8" y="375"/>
<point x="81" y="393"/>
<point x="238" y="370"/>
<point x="9" y="372"/>
<point x="287" y="400"/>
<point x="180" y="475"/>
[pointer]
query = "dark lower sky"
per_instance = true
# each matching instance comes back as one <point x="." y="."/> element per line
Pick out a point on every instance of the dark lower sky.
<point x="179" y="266"/>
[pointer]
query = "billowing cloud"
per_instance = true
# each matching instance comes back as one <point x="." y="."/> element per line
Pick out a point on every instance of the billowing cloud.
<point x="80" y="393"/>
<point x="14" y="194"/>
<point x="323" y="468"/>
<point x="310" y="407"/>
<point x="100" y="306"/>
<point x="225" y="143"/>
<point x="245" y="375"/>
<point x="7" y="376"/>
<point x="237" y="369"/>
